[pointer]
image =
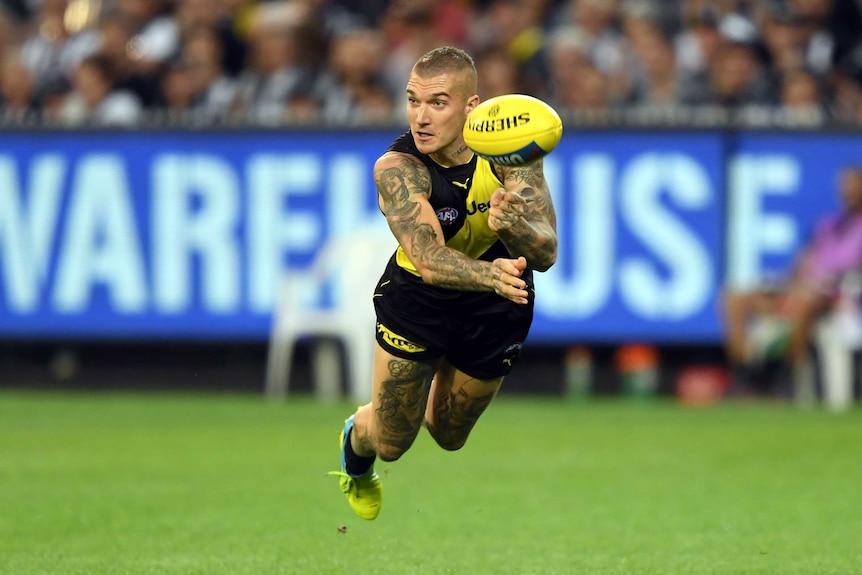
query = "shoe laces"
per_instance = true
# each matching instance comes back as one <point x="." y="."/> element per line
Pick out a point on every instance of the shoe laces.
<point x="346" y="481"/>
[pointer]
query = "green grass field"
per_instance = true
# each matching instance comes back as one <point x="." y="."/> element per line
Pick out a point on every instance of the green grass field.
<point x="212" y="484"/>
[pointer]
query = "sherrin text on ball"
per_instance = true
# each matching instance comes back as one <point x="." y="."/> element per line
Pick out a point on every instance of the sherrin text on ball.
<point x="513" y="129"/>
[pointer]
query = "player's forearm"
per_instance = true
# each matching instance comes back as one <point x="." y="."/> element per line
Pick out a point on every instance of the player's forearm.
<point x="531" y="231"/>
<point x="444" y="267"/>
<point x="536" y="241"/>
<point x="437" y="264"/>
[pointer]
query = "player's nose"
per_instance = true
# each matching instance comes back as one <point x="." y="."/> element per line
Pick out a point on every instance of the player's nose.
<point x="421" y="116"/>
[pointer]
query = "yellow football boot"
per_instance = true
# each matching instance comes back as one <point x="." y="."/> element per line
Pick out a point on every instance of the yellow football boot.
<point x="365" y="492"/>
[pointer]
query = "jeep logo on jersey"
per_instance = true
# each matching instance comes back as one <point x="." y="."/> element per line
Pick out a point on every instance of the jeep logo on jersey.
<point x="447" y="216"/>
<point x="397" y="341"/>
<point x="480" y="207"/>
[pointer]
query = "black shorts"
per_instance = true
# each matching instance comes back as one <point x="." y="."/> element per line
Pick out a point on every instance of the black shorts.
<point x="480" y="333"/>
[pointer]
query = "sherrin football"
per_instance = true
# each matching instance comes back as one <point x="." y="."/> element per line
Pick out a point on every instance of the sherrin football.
<point x="513" y="129"/>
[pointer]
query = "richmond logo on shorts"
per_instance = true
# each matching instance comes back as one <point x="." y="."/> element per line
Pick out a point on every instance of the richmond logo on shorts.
<point x="397" y="341"/>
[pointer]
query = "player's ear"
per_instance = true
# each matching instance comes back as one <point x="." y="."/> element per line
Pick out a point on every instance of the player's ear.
<point x="472" y="102"/>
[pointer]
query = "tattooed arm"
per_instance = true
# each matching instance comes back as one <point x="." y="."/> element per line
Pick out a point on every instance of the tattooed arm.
<point x="522" y="215"/>
<point x="403" y="188"/>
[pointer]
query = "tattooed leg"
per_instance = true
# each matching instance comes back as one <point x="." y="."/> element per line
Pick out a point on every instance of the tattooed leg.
<point x="455" y="404"/>
<point x="389" y="424"/>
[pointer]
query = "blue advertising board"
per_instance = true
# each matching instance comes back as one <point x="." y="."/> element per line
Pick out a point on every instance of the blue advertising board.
<point x="639" y="217"/>
<point x="169" y="235"/>
<point x="184" y="235"/>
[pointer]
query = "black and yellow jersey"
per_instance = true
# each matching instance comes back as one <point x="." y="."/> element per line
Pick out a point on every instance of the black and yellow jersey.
<point x="461" y="197"/>
<point x="478" y="332"/>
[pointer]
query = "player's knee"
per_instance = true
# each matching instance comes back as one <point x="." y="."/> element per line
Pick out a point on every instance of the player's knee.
<point x="450" y="442"/>
<point x="390" y="452"/>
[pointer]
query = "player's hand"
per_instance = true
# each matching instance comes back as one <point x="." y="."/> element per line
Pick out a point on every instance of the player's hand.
<point x="506" y="209"/>
<point x="507" y="279"/>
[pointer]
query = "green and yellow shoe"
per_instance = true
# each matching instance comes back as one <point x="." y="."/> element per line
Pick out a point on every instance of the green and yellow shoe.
<point x="365" y="492"/>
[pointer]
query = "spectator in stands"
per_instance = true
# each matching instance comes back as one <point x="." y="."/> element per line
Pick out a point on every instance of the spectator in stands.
<point x="512" y="26"/>
<point x="606" y="46"/>
<point x="801" y="100"/>
<point x="355" y="73"/>
<point x="6" y="37"/>
<point x="17" y="97"/>
<point x="498" y="74"/>
<point x="453" y="20"/>
<point x="303" y="109"/>
<point x="735" y="79"/>
<point x="814" y="41"/>
<point x="193" y="15"/>
<point x="155" y="33"/>
<point x="374" y="105"/>
<point x="177" y="93"/>
<point x="336" y="17"/>
<point x="654" y="77"/>
<point x="586" y="91"/>
<point x="410" y="32"/>
<point x="95" y="101"/>
<point x="52" y="52"/>
<point x="275" y="72"/>
<point x="726" y="52"/>
<point x="566" y="55"/>
<point x="799" y="42"/>
<point x="809" y="289"/>
<point x="116" y="43"/>
<point x="212" y="90"/>
<point x="696" y="44"/>
<point x="784" y="40"/>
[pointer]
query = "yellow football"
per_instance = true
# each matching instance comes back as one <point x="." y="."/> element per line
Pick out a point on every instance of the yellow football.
<point x="513" y="129"/>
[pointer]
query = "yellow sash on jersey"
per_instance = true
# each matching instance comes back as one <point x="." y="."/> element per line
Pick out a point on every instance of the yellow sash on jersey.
<point x="475" y="237"/>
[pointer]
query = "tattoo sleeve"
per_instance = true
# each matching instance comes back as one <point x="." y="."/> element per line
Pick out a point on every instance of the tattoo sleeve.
<point x="404" y="187"/>
<point x="455" y="415"/>
<point x="534" y="236"/>
<point x="401" y="402"/>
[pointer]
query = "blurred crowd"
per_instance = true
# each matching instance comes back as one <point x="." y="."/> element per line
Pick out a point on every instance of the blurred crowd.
<point x="345" y="62"/>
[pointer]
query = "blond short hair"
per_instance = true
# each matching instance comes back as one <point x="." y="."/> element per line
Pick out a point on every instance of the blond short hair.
<point x="449" y="59"/>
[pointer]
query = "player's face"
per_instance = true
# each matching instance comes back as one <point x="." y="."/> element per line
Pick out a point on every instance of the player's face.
<point x="437" y="108"/>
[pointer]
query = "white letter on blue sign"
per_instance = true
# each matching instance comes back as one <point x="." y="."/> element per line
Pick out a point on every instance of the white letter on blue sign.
<point x="100" y="245"/>
<point x="591" y="251"/>
<point x="275" y="228"/>
<point x="28" y="224"/>
<point x="754" y="232"/>
<point x="684" y="288"/>
<point x="351" y="197"/>
<point x="195" y="215"/>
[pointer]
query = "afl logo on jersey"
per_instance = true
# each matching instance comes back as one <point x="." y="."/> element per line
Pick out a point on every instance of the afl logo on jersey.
<point x="447" y="216"/>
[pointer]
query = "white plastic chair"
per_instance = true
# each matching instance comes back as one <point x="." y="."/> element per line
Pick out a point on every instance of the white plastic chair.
<point x="349" y="267"/>
<point x="837" y="337"/>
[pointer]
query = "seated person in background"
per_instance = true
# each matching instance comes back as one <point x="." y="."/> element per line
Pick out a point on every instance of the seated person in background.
<point x="810" y="289"/>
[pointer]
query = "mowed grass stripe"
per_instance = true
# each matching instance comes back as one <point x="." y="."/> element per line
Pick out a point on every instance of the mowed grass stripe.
<point x="184" y="484"/>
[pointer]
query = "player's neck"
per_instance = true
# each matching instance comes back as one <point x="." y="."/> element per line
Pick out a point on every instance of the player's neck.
<point x="457" y="157"/>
